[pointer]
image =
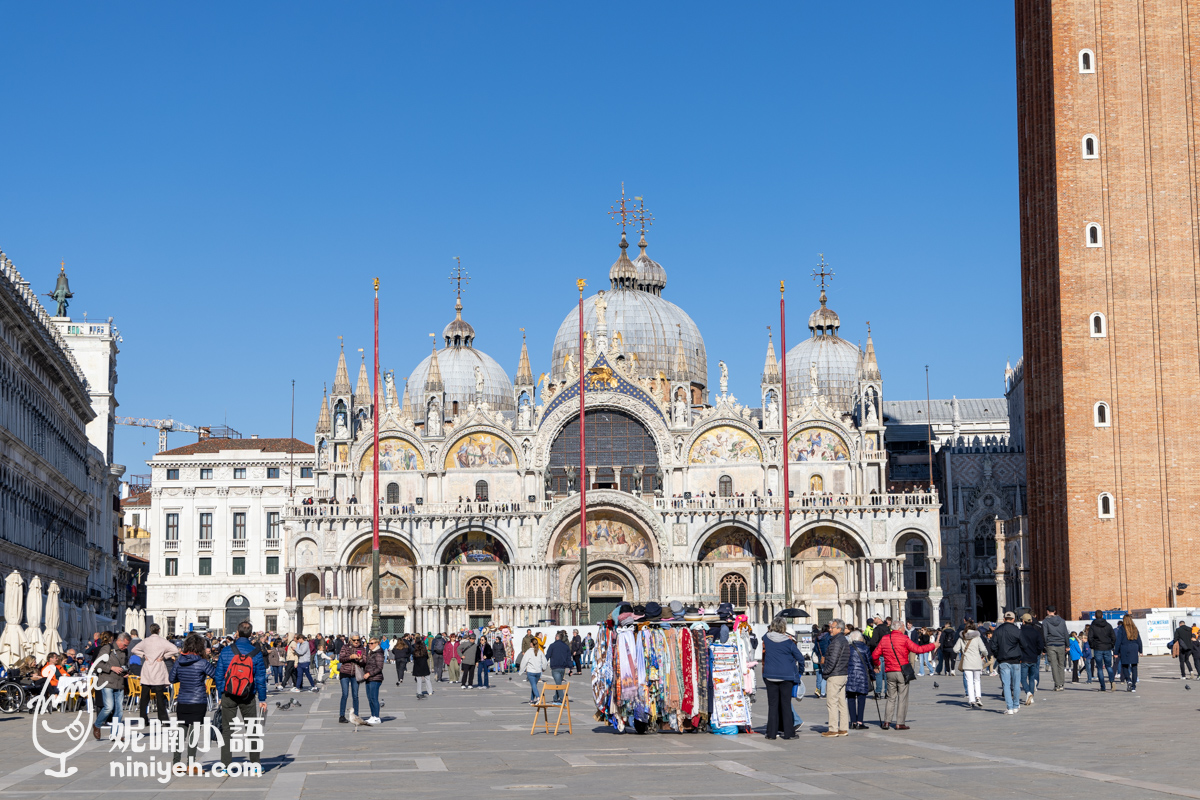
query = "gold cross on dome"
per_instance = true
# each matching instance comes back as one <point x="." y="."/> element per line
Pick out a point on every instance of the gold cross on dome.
<point x="621" y="210"/>
<point x="822" y="273"/>
<point x="645" y="218"/>
<point x="459" y="277"/>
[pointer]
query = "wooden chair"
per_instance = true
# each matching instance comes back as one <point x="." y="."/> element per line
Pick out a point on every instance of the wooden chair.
<point x="542" y="705"/>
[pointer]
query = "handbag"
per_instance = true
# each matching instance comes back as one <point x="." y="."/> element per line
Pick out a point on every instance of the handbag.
<point x="359" y="675"/>
<point x="906" y="669"/>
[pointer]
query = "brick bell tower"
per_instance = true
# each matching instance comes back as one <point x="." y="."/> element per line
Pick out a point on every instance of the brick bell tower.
<point x="1110" y="281"/>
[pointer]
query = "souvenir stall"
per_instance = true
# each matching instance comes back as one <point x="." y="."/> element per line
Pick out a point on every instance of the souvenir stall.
<point x="689" y="672"/>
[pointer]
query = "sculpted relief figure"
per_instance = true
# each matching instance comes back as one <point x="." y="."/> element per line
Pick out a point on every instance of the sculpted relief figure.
<point x="724" y="378"/>
<point x="433" y="422"/>
<point x="771" y="421"/>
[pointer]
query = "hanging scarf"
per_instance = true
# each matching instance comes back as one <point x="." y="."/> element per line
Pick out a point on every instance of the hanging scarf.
<point x="688" y="677"/>
<point x="702" y="673"/>
<point x="628" y="655"/>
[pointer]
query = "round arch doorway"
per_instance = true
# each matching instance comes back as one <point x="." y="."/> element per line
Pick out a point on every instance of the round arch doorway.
<point x="237" y="610"/>
<point x="606" y="591"/>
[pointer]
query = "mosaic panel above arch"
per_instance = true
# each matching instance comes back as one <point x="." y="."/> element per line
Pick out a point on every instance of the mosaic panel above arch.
<point x="733" y="543"/>
<point x="475" y="547"/>
<point x="818" y="444"/>
<point x="391" y="554"/>
<point x="725" y="444"/>
<point x="480" y="451"/>
<point x="395" y="455"/>
<point x="826" y="543"/>
<point x="606" y="537"/>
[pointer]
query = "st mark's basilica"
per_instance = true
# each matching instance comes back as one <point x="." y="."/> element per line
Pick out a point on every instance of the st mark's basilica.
<point x="479" y="480"/>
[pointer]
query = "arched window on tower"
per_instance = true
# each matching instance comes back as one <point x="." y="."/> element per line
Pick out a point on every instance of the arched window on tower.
<point x="1105" y="506"/>
<point x="481" y="491"/>
<point x="1101" y="416"/>
<point x="1093" y="236"/>
<point x="393" y="493"/>
<point x="725" y="486"/>
<point x="1090" y="148"/>
<point x="479" y="595"/>
<point x="733" y="590"/>
<point x="1099" y="325"/>
<point x="1087" y="61"/>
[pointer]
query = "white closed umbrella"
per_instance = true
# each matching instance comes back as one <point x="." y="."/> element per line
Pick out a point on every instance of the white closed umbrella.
<point x="12" y="638"/>
<point x="128" y="623"/>
<point x="141" y="626"/>
<point x="51" y="639"/>
<point x="33" y="621"/>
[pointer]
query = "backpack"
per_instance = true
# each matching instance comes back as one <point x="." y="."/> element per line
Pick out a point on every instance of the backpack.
<point x="239" y="677"/>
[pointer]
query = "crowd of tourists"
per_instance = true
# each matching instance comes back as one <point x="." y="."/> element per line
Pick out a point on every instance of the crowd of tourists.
<point x="228" y="676"/>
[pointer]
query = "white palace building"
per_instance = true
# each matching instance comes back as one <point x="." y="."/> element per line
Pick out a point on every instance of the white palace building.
<point x="479" y="479"/>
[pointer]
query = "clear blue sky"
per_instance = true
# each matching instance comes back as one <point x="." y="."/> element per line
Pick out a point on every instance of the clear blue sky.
<point x="226" y="179"/>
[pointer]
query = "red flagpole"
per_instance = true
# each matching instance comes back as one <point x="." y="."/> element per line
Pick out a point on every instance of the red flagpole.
<point x="787" y="502"/>
<point x="375" y="481"/>
<point x="585" y="611"/>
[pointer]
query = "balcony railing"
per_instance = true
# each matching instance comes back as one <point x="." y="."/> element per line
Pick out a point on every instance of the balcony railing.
<point x="238" y="544"/>
<point x="272" y="542"/>
<point x="204" y="544"/>
<point x="801" y="504"/>
<point x="170" y="545"/>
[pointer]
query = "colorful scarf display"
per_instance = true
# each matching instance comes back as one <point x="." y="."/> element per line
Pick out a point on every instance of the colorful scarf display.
<point x="670" y="677"/>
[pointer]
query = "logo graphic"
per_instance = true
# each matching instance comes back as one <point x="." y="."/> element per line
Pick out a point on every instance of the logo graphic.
<point x="78" y="729"/>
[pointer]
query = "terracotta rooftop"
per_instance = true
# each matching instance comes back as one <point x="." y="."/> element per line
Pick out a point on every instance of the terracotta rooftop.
<point x="141" y="499"/>
<point x="213" y="445"/>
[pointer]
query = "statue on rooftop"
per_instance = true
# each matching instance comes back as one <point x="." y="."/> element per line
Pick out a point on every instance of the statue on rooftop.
<point x="62" y="292"/>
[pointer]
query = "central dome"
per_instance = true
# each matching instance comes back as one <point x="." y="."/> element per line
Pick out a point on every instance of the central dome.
<point x="649" y="326"/>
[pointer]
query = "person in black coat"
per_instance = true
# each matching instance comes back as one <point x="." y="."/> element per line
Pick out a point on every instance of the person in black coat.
<point x="1033" y="645"/>
<point x="1186" y="650"/>
<point x="401" y="653"/>
<point x="1102" y="640"/>
<point x="1006" y="646"/>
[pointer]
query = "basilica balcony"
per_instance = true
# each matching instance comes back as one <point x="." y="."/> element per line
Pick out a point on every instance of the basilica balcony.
<point x="826" y="504"/>
<point x="362" y="511"/>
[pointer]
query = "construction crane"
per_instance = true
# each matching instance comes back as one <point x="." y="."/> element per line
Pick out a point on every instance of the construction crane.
<point x="166" y="426"/>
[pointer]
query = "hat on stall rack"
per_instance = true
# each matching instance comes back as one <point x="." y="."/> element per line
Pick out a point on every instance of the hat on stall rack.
<point x="676" y="608"/>
<point x="639" y="610"/>
<point x="626" y="619"/>
<point x="794" y="613"/>
<point x="653" y="610"/>
<point x="622" y="608"/>
<point x="724" y="635"/>
<point x="725" y="611"/>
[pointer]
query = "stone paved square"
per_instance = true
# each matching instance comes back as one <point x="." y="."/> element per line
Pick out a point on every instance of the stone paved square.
<point x="1074" y="744"/>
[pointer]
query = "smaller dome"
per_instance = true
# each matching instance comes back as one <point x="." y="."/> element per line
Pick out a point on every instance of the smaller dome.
<point x="623" y="273"/>
<point x="824" y="319"/>
<point x="459" y="331"/>
<point x="651" y="277"/>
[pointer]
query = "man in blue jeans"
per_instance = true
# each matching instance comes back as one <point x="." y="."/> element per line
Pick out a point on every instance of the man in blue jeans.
<point x="559" y="653"/>
<point x="110" y="680"/>
<point x="1033" y="647"/>
<point x="1102" y="639"/>
<point x="1006" y="644"/>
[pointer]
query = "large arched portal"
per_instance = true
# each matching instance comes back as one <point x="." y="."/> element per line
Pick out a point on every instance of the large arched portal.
<point x="621" y="454"/>
<point x="474" y="560"/>
<point x="396" y="578"/>
<point x="825" y="561"/>
<point x="736" y="570"/>
<point x="620" y="553"/>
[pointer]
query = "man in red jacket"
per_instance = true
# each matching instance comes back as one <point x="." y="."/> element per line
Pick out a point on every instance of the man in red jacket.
<point x="894" y="649"/>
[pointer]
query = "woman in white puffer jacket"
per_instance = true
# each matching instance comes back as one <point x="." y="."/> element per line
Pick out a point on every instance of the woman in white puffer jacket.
<point x="974" y="655"/>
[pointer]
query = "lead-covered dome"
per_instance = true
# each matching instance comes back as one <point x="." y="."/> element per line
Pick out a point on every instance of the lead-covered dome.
<point x="836" y="359"/>
<point x="649" y="326"/>
<point x="456" y="368"/>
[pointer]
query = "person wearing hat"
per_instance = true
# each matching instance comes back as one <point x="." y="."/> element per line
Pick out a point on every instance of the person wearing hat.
<point x="1033" y="647"/>
<point x="1006" y="644"/>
